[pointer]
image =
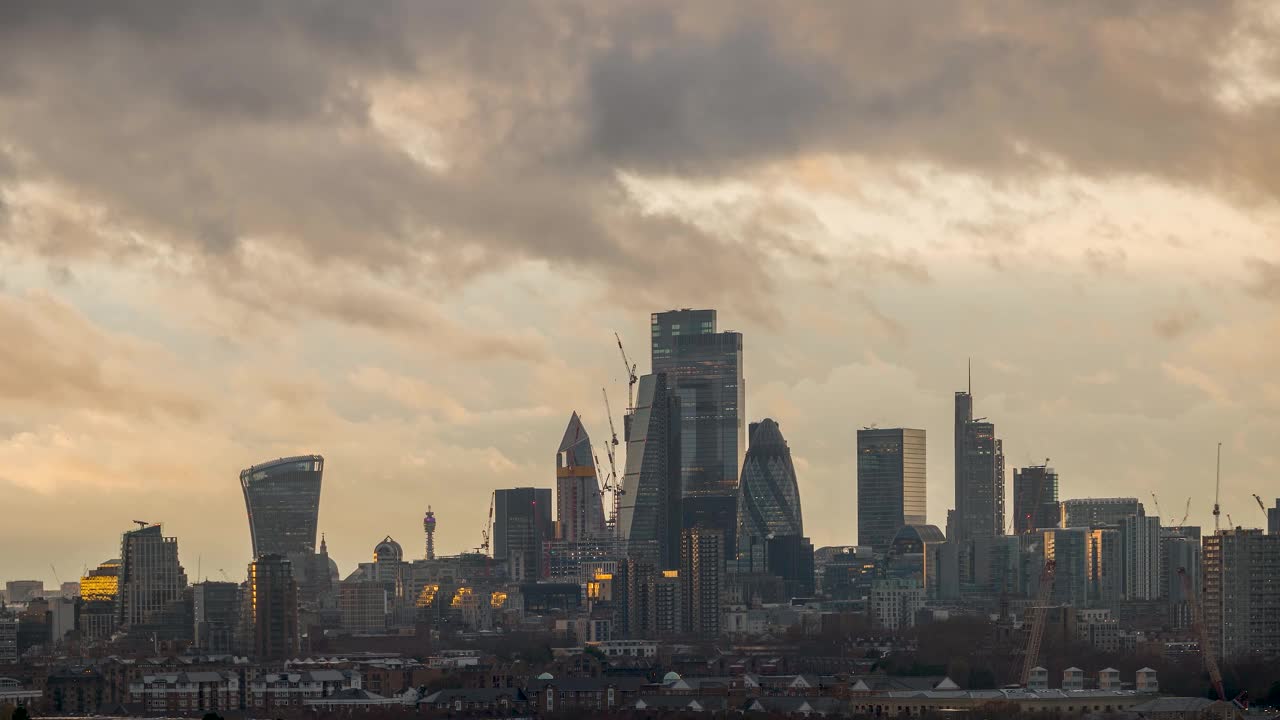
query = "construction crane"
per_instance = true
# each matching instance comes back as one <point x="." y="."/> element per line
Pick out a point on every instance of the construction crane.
<point x="612" y="483"/>
<point x="224" y="575"/>
<point x="1156" y="501"/>
<point x="1261" y="505"/>
<point x="484" y="534"/>
<point x="631" y="373"/>
<point x="142" y="523"/>
<point x="1041" y="613"/>
<point x="1186" y="513"/>
<point x="1202" y="634"/>
<point x="1217" y="489"/>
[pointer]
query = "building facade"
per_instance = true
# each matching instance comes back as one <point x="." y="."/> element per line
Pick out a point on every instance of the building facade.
<point x="1241" y="604"/>
<point x="1073" y="579"/>
<point x="702" y="575"/>
<point x="704" y="370"/>
<point x="521" y="524"/>
<point x="1098" y="512"/>
<point x="579" y="501"/>
<point x="1035" y="500"/>
<point x="282" y="498"/>
<point x="768" y="495"/>
<point x="216" y="608"/>
<point x="891" y="484"/>
<point x="1142" y="572"/>
<point x="894" y="602"/>
<point x="979" y="474"/>
<point x="274" y="598"/>
<point x="151" y="578"/>
<point x="651" y="511"/>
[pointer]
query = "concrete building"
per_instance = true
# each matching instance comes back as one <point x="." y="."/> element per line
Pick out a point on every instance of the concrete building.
<point x="8" y="639"/>
<point x="274" y="597"/>
<point x="1273" y="519"/>
<point x="790" y="557"/>
<point x="651" y="512"/>
<point x="1099" y="512"/>
<point x="894" y="602"/>
<point x="891" y="483"/>
<point x="99" y="593"/>
<point x="282" y="498"/>
<point x="1070" y="547"/>
<point x="187" y="693"/>
<point x="979" y="474"/>
<point x="704" y="370"/>
<point x="521" y="523"/>
<point x="20" y="591"/>
<point x="579" y="501"/>
<point x="1241" y="574"/>
<point x="216" y="608"/>
<point x="1106" y="566"/>
<point x="1179" y="548"/>
<point x="768" y="496"/>
<point x="1142" y="576"/>
<point x="364" y="605"/>
<point x="915" y="554"/>
<point x="1035" y="499"/>
<point x="150" y="576"/>
<point x="702" y="573"/>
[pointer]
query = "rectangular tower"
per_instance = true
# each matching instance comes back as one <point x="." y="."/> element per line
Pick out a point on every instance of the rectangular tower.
<point x="979" y="474"/>
<point x="274" y="608"/>
<point x="521" y="523"/>
<point x="891" y="483"/>
<point x="150" y="576"/>
<point x="704" y="370"/>
<point x="1142" y="576"/>
<point x="702" y="575"/>
<point x="1095" y="512"/>
<point x="1035" y="500"/>
<point x="1241" y="606"/>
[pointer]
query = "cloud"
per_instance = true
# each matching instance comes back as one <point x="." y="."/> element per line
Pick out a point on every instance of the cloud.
<point x="1175" y="322"/>
<point x="1265" y="283"/>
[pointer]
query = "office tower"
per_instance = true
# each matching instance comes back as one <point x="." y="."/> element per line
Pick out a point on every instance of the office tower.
<point x="702" y="575"/>
<point x="429" y="528"/>
<point x="1070" y="548"/>
<point x="719" y="512"/>
<point x="1273" y="519"/>
<point x="1142" y="579"/>
<point x="579" y="506"/>
<point x="1106" y="566"/>
<point x="1093" y="512"/>
<point x="1241" y="571"/>
<point x="1035" y="500"/>
<point x="282" y="498"/>
<point x="979" y="474"/>
<point x="364" y="606"/>
<point x="1179" y="549"/>
<point x="768" y="496"/>
<point x="521" y="523"/>
<point x="651" y="510"/>
<point x="790" y="557"/>
<point x="274" y="600"/>
<point x="99" y="592"/>
<point x="704" y="370"/>
<point x="20" y="591"/>
<point x="997" y="566"/>
<point x="150" y="576"/>
<point x="891" y="484"/>
<point x="846" y="574"/>
<point x="216" y="608"/>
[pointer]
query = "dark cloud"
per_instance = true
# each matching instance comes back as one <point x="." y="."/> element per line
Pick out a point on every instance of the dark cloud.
<point x="1265" y="283"/>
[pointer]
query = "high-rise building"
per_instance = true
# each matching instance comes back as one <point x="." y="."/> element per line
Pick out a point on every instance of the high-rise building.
<point x="702" y="575"/>
<point x="1180" y="549"/>
<point x="8" y="639"/>
<point x="768" y="496"/>
<point x="1092" y="512"/>
<point x="997" y="566"/>
<point x="274" y="598"/>
<point x="364" y="605"/>
<point x="791" y="558"/>
<point x="718" y="512"/>
<point x="1070" y="548"/>
<point x="894" y="602"/>
<point x="1241" y="573"/>
<point x="99" y="592"/>
<point x="579" y="505"/>
<point x="1035" y="500"/>
<point x="1106" y="566"/>
<point x="150" y="576"/>
<point x="521" y="523"/>
<point x="979" y="470"/>
<point x="1142" y="577"/>
<point x="216" y="608"/>
<point x="1273" y="519"/>
<point x="704" y="370"/>
<point x="283" y="501"/>
<point x="891" y="484"/>
<point x="651" y="511"/>
<point x="20" y="591"/>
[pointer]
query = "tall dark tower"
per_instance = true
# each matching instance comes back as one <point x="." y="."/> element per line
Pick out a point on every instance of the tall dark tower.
<point x="283" y="501"/>
<point x="979" y="473"/>
<point x="429" y="527"/>
<point x="650" y="518"/>
<point x="768" y="496"/>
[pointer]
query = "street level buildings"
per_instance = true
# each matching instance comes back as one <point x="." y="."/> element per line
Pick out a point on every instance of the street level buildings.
<point x="891" y="483"/>
<point x="282" y="498"/>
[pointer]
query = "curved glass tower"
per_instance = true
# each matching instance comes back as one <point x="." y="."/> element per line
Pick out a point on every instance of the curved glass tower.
<point x="283" y="500"/>
<point x="768" y="496"/>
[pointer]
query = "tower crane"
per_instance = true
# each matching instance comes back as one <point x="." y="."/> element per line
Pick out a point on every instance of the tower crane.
<point x="1261" y="505"/>
<point x="1186" y="513"/>
<point x="484" y="534"/>
<point x="1217" y="489"/>
<point x="612" y="483"/>
<point x="631" y="373"/>
<point x="1041" y="613"/>
<point x="1156" y="501"/>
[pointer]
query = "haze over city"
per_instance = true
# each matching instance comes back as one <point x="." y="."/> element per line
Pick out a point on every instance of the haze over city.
<point x="404" y="239"/>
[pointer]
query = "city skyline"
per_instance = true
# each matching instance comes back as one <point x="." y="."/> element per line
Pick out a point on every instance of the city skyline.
<point x="404" y="241"/>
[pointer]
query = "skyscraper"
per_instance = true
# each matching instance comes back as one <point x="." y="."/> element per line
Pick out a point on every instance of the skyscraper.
<point x="979" y="469"/>
<point x="1091" y="512"/>
<point x="1142" y="577"/>
<point x="283" y="501"/>
<point x="1273" y="519"/>
<point x="651" y="512"/>
<point x="274" y="606"/>
<point x="521" y="523"/>
<point x="768" y="496"/>
<point x="1035" y="500"/>
<point x="150" y="576"/>
<point x="704" y="370"/>
<point x="216" y="608"/>
<point x="1071" y="548"/>
<point x="702" y="575"/>
<point x="1241" y="573"/>
<point x="579" y="506"/>
<point x="891" y="484"/>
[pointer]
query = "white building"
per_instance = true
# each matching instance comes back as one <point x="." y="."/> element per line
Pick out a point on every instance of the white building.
<point x="894" y="602"/>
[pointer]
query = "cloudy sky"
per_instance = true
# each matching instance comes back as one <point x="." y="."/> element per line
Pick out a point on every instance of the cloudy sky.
<point x="402" y="235"/>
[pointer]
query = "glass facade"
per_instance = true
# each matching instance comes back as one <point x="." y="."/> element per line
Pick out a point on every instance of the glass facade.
<point x="283" y="501"/>
<point x="521" y="524"/>
<point x="651" y="510"/>
<point x="1092" y="512"/>
<point x="579" y="504"/>
<point x="150" y="576"/>
<point x="704" y="370"/>
<point x="1035" y="501"/>
<point x="979" y="470"/>
<point x="768" y="496"/>
<point x="891" y="484"/>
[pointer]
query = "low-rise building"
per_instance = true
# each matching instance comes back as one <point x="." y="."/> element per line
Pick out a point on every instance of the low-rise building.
<point x="271" y="691"/>
<point x="187" y="692"/>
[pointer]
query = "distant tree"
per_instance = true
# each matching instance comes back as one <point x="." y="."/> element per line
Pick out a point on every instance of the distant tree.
<point x="20" y="713"/>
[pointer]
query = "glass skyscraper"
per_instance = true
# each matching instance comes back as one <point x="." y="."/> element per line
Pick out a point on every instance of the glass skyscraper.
<point x="704" y="370"/>
<point x="979" y="469"/>
<point x="283" y="500"/>
<point x="651" y="510"/>
<point x="521" y="523"/>
<point x="1035" y="502"/>
<point x="891" y="484"/>
<point x="768" y="496"/>
<point x="579" y="506"/>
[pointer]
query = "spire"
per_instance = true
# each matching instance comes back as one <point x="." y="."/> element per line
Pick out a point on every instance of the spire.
<point x="324" y="547"/>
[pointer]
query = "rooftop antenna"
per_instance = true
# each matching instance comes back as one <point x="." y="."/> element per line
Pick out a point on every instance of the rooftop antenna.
<point x="1217" y="488"/>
